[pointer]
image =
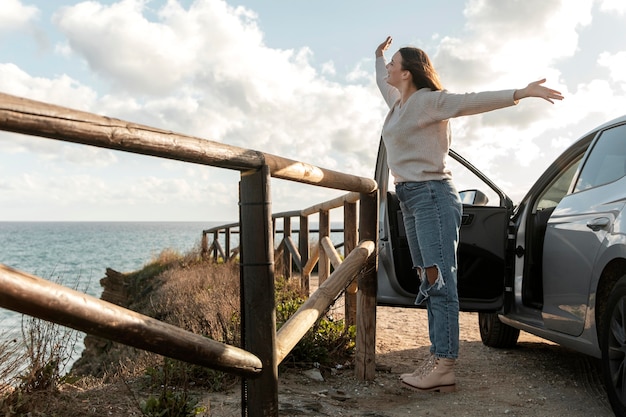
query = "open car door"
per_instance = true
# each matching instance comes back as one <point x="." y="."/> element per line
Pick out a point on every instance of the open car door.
<point x="482" y="248"/>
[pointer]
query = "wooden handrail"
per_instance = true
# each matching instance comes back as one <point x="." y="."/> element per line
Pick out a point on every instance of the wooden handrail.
<point x="46" y="300"/>
<point x="331" y="204"/>
<point x="30" y="117"/>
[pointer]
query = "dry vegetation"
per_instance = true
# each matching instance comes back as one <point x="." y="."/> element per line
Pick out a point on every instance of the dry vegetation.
<point x="116" y="380"/>
<point x="113" y="379"/>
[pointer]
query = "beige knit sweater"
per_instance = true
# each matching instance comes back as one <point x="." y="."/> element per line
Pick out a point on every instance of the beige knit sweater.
<point x="417" y="134"/>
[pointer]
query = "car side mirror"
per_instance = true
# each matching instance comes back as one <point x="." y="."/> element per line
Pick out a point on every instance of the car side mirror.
<point x="473" y="198"/>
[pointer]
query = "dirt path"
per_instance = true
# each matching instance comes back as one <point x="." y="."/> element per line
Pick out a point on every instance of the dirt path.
<point x="537" y="378"/>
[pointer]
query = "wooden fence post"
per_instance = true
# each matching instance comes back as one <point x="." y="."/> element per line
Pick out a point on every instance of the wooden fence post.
<point x="216" y="236"/>
<point x="288" y="258"/>
<point x="323" y="264"/>
<point x="365" y="358"/>
<point x="259" y="396"/>
<point x="350" y="236"/>
<point x="227" y="244"/>
<point x="303" y="243"/>
<point x="205" y="245"/>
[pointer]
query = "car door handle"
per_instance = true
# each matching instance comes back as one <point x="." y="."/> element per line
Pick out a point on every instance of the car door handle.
<point x="598" y="223"/>
<point x="466" y="219"/>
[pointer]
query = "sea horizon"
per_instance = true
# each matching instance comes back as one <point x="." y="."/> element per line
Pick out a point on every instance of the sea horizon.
<point x="77" y="253"/>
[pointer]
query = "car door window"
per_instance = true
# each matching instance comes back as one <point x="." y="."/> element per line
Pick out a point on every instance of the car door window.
<point x="607" y="161"/>
<point x="558" y="188"/>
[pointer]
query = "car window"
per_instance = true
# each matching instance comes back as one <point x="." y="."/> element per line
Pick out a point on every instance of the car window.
<point x="607" y="161"/>
<point x="553" y="194"/>
<point x="465" y="180"/>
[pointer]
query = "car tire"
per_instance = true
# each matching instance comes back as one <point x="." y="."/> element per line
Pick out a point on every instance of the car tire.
<point x="613" y="346"/>
<point x="494" y="333"/>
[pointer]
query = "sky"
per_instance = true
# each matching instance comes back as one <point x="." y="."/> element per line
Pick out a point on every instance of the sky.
<point x="291" y="78"/>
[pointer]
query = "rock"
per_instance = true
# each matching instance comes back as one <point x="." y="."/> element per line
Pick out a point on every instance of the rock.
<point x="115" y="288"/>
<point x="340" y="395"/>
<point x="314" y="374"/>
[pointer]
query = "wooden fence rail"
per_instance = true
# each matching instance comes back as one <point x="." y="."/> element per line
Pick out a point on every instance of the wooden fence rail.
<point x="46" y="300"/>
<point x="296" y="327"/>
<point x="227" y="253"/>
<point x="35" y="118"/>
<point x="305" y="255"/>
<point x="37" y="297"/>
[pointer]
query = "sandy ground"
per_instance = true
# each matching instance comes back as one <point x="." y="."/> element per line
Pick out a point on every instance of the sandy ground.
<point x="537" y="378"/>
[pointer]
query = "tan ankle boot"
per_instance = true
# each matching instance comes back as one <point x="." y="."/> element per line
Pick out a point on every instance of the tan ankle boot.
<point x="440" y="378"/>
<point x="424" y="367"/>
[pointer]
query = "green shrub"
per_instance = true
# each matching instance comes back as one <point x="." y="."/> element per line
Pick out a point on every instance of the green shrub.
<point x="326" y="343"/>
<point x="171" y="381"/>
<point x="170" y="404"/>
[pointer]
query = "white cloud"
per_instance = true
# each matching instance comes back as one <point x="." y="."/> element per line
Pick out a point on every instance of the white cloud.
<point x="616" y="64"/>
<point x="16" y="15"/>
<point x="328" y="68"/>
<point x="506" y="43"/>
<point x="613" y="6"/>
<point x="121" y="44"/>
<point x="71" y="194"/>
<point x="61" y="90"/>
<point x="88" y="156"/>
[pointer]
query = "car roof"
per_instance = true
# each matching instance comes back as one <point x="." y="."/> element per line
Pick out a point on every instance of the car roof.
<point x="617" y="120"/>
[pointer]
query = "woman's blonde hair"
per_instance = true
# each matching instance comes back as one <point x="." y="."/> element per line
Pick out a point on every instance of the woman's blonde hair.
<point x="421" y="68"/>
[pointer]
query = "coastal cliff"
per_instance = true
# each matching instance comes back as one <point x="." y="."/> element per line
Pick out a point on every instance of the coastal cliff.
<point x="96" y="358"/>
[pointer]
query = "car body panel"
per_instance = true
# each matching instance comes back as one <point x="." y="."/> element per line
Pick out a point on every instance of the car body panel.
<point x="575" y="232"/>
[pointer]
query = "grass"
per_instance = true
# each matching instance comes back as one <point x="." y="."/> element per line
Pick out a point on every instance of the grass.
<point x="112" y="379"/>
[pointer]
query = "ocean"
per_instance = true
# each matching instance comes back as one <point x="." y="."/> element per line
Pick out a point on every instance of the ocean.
<point x="76" y="254"/>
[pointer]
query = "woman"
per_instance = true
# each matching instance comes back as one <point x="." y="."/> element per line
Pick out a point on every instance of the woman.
<point x="416" y="134"/>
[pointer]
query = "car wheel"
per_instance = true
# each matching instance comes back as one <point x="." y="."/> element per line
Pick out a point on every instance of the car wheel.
<point x="613" y="345"/>
<point x="496" y="334"/>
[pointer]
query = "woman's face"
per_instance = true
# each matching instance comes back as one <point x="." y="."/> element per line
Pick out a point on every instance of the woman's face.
<point x="394" y="70"/>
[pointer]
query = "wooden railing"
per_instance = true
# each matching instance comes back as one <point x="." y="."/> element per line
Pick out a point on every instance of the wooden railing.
<point x="257" y="360"/>
<point x="304" y="255"/>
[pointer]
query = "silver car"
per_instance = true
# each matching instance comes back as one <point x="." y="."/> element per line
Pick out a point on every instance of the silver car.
<point x="554" y="265"/>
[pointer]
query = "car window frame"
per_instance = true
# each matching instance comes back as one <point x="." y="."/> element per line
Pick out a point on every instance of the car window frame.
<point x="590" y="151"/>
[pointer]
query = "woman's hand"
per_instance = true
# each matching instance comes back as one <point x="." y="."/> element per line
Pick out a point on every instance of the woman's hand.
<point x="535" y="89"/>
<point x="383" y="47"/>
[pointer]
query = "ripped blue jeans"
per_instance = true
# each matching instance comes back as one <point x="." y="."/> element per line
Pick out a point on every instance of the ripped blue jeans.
<point x="432" y="217"/>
